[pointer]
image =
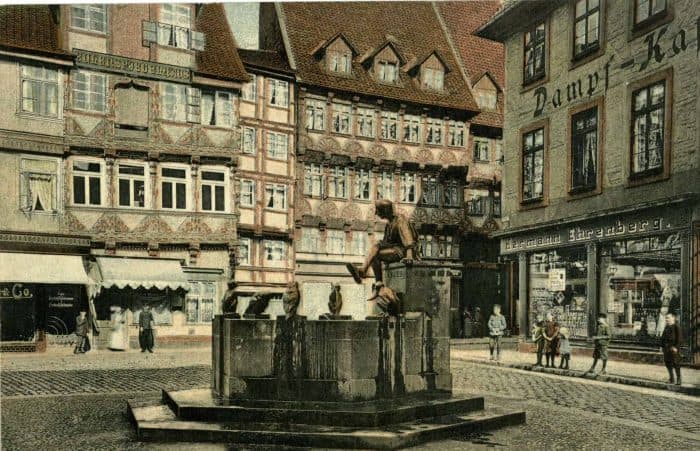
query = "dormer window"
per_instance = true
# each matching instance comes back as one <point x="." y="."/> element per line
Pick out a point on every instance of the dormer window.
<point x="339" y="61"/>
<point x="387" y="72"/>
<point x="486" y="93"/>
<point x="433" y="78"/>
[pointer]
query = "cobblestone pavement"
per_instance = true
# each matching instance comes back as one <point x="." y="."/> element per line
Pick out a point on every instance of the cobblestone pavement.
<point x="643" y="405"/>
<point x="87" y="408"/>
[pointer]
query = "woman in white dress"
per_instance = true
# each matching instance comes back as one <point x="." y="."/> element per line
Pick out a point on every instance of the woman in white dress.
<point x="118" y="338"/>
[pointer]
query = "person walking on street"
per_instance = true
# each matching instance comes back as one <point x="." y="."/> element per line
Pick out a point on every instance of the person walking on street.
<point x="550" y="333"/>
<point x="81" y="330"/>
<point x="146" y="324"/>
<point x="538" y="338"/>
<point x="601" y="341"/>
<point x="670" y="346"/>
<point x="118" y="338"/>
<point x="497" y="325"/>
<point x="564" y="348"/>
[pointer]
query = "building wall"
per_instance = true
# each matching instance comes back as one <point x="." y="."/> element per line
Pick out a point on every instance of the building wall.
<point x="260" y="224"/>
<point x="602" y="78"/>
<point x="204" y="239"/>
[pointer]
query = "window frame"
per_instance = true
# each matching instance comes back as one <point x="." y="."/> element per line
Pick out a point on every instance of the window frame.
<point x="541" y="201"/>
<point x="312" y="108"/>
<point x="430" y="184"/>
<point x="386" y="180"/>
<point x="90" y="90"/>
<point x="174" y="25"/>
<point x="339" y="112"/>
<point x="248" y="243"/>
<point x="387" y="118"/>
<point x="435" y="127"/>
<point x="253" y="193"/>
<point x="381" y="71"/>
<point x="180" y="103"/>
<point x="190" y="296"/>
<point x="429" y="79"/>
<point x="408" y="120"/>
<point x="56" y="179"/>
<point x="337" y="177"/>
<point x="313" y="174"/>
<point x="273" y="141"/>
<point x="337" y="236"/>
<point x="596" y="47"/>
<point x="651" y="19"/>
<point x="578" y="192"/>
<point x="217" y="93"/>
<point x="536" y="76"/>
<point x="275" y="189"/>
<point x="89" y="9"/>
<point x="44" y="82"/>
<point x="307" y="243"/>
<point x="649" y="176"/>
<point x="409" y="180"/>
<point x="254" y="137"/>
<point x="131" y="178"/>
<point x="187" y="180"/>
<point x="336" y="56"/>
<point x="101" y="176"/>
<point x="477" y="150"/>
<point x="363" y="115"/>
<point x="249" y="91"/>
<point x="449" y="185"/>
<point x="273" y="85"/>
<point x="361" y="175"/>
<point x="214" y="184"/>
<point x="453" y="127"/>
<point x="270" y="245"/>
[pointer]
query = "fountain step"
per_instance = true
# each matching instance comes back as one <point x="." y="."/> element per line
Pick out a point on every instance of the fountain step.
<point x="201" y="405"/>
<point x="156" y="422"/>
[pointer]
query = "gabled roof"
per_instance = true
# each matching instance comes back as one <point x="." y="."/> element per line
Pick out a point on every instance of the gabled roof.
<point x="30" y="27"/>
<point x="414" y="25"/>
<point x="419" y="62"/>
<point x="219" y="57"/>
<point x="270" y="60"/>
<point x="487" y="74"/>
<point x="323" y="45"/>
<point x="480" y="56"/>
<point x="388" y="43"/>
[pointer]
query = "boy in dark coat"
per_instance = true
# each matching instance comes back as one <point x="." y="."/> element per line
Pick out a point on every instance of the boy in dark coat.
<point x="146" y="329"/>
<point x="670" y="345"/>
<point x="601" y="341"/>
<point x="81" y="330"/>
<point x="550" y="333"/>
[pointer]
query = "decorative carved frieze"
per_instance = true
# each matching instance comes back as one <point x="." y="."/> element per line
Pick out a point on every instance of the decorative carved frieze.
<point x="304" y="207"/>
<point x="153" y="225"/>
<point x="327" y="209"/>
<point x="447" y="157"/>
<point x="420" y="216"/>
<point x="378" y="152"/>
<point x="159" y="134"/>
<point x="70" y="223"/>
<point x="194" y="226"/>
<point x="354" y="149"/>
<point x="328" y="144"/>
<point x="401" y="154"/>
<point x="306" y="143"/>
<point x="102" y="130"/>
<point x="424" y="156"/>
<point x="71" y="127"/>
<point x="490" y="225"/>
<point x="352" y="212"/>
<point x="227" y="228"/>
<point x="109" y="223"/>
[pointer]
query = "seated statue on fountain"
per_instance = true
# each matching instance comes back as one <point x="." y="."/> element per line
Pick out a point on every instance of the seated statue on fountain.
<point x="398" y="245"/>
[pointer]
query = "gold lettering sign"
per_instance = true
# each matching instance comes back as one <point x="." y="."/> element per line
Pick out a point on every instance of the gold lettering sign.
<point x="85" y="58"/>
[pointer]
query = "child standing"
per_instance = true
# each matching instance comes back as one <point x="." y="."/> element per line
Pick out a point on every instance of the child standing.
<point x="497" y="325"/>
<point x="601" y="340"/>
<point x="538" y="338"/>
<point x="564" y="348"/>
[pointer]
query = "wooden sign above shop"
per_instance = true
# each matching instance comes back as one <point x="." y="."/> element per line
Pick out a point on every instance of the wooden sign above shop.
<point x="130" y="66"/>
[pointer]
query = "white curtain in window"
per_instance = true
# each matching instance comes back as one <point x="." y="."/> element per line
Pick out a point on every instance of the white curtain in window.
<point x="42" y="192"/>
<point x="208" y="117"/>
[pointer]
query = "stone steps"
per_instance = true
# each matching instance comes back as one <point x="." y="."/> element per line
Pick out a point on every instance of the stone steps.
<point x="415" y="421"/>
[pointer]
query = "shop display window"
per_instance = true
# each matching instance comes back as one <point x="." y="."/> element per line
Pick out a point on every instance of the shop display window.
<point x="640" y="281"/>
<point x="558" y="284"/>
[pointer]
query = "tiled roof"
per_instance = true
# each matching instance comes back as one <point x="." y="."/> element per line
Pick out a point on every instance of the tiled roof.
<point x="219" y="58"/>
<point x="29" y="27"/>
<point x="265" y="59"/>
<point x="414" y="26"/>
<point x="480" y="56"/>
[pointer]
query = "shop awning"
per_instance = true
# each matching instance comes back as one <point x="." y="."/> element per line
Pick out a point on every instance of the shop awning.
<point x="43" y="268"/>
<point x="140" y="273"/>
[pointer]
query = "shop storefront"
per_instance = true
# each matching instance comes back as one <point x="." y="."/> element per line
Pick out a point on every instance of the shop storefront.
<point x="633" y="267"/>
<point x="40" y="297"/>
<point x="182" y="300"/>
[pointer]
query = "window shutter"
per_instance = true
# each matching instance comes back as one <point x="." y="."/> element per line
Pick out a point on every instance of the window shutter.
<point x="198" y="40"/>
<point x="149" y="33"/>
<point x="193" y="102"/>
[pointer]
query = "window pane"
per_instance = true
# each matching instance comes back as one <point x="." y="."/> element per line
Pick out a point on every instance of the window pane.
<point x="181" y="202"/>
<point x="95" y="198"/>
<point x="206" y="197"/>
<point x="218" y="176"/>
<point x="219" y="198"/>
<point x="79" y="190"/>
<point x="167" y="193"/>
<point x="124" y="193"/>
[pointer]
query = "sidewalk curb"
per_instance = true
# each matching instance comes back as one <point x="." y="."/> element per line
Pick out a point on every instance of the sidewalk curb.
<point x="692" y="390"/>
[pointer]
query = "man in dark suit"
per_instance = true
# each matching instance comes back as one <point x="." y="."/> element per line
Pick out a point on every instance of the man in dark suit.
<point x="670" y="346"/>
<point x="146" y="324"/>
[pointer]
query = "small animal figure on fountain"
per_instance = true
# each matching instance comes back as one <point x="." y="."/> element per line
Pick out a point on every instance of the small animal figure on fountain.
<point x="335" y="301"/>
<point x="229" y="303"/>
<point x="291" y="300"/>
<point x="398" y="244"/>
<point x="258" y="304"/>
<point x="386" y="299"/>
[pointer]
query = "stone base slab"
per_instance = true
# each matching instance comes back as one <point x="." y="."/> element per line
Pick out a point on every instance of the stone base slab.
<point x="158" y="421"/>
